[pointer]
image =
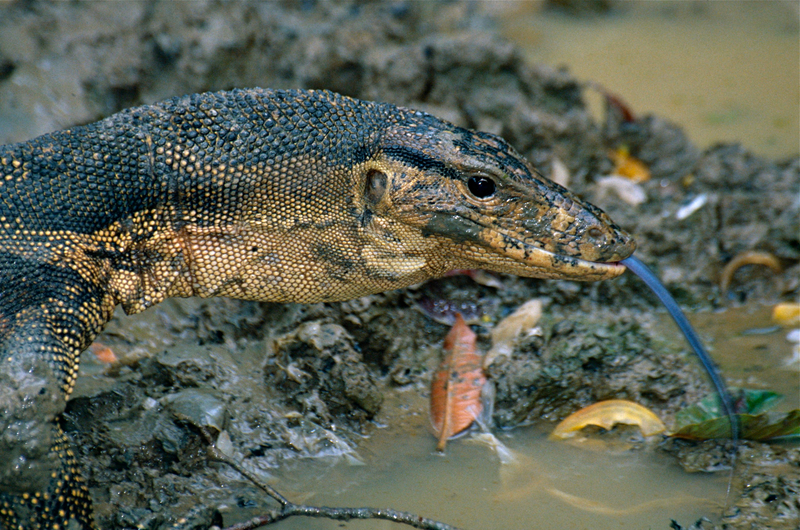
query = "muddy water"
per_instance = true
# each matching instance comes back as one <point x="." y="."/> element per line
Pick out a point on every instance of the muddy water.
<point x="725" y="71"/>
<point x="589" y="483"/>
<point x="753" y="352"/>
<point x="550" y="485"/>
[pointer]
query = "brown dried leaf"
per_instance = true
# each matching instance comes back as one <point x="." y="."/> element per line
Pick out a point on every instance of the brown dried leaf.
<point x="506" y="332"/>
<point x="456" y="386"/>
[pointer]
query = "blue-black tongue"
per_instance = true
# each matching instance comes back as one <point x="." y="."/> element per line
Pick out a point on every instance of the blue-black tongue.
<point x="640" y="269"/>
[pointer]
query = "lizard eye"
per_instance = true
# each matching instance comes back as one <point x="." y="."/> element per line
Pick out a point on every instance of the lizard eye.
<point x="481" y="187"/>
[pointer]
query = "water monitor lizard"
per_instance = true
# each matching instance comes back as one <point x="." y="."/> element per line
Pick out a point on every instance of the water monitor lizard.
<point x="286" y="196"/>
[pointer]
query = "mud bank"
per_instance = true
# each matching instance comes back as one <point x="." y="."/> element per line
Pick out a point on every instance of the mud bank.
<point x="288" y="381"/>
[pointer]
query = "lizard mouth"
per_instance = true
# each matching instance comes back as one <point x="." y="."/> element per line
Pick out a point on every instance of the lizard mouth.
<point x="492" y="249"/>
<point x="560" y="266"/>
<point x="536" y="262"/>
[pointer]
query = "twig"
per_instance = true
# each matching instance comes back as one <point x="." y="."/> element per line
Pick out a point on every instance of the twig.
<point x="342" y="514"/>
<point x="289" y="509"/>
<point x="219" y="456"/>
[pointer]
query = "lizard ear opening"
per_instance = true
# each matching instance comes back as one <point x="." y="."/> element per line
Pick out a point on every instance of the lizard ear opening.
<point x="375" y="186"/>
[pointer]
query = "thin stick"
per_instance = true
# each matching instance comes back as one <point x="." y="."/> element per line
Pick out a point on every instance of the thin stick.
<point x="218" y="455"/>
<point x="342" y="514"/>
<point x="289" y="509"/>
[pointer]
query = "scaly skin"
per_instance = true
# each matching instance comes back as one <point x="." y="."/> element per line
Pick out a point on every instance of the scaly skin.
<point x="285" y="196"/>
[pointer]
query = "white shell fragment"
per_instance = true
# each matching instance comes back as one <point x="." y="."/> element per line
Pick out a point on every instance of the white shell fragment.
<point x="224" y="444"/>
<point x="626" y="189"/>
<point x="559" y="172"/>
<point x="504" y="454"/>
<point x="688" y="209"/>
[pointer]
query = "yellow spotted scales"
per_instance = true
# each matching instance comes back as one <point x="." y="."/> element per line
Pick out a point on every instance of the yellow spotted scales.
<point x="286" y="196"/>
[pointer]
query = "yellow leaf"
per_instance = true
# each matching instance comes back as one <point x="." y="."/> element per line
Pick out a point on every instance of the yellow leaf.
<point x="786" y="314"/>
<point x="606" y="414"/>
<point x="627" y="166"/>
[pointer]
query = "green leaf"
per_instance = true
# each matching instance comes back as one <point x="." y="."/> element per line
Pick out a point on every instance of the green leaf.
<point x="757" y="401"/>
<point x="747" y="402"/>
<point x="705" y="420"/>
<point x="760" y="428"/>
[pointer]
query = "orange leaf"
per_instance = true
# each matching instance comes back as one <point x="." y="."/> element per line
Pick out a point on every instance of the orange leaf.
<point x="103" y="353"/>
<point x="606" y="414"/>
<point x="456" y="386"/>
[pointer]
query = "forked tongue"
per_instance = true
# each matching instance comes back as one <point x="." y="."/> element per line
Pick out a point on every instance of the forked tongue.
<point x="640" y="269"/>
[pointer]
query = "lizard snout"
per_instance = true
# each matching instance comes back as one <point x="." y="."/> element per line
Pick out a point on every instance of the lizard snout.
<point x="607" y="244"/>
<point x="589" y="234"/>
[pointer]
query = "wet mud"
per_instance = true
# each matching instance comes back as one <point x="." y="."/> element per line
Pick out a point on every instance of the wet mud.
<point x="273" y="383"/>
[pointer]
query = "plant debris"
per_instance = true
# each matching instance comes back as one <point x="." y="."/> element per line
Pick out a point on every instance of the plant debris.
<point x="457" y="384"/>
<point x="606" y="414"/>
<point x="705" y="420"/>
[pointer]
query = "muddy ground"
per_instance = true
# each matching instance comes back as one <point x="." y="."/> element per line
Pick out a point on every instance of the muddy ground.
<point x="282" y="381"/>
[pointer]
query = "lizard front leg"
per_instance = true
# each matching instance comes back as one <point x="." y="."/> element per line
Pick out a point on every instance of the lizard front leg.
<point x="48" y="315"/>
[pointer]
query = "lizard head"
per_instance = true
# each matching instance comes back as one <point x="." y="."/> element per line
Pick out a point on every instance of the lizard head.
<point x="486" y="206"/>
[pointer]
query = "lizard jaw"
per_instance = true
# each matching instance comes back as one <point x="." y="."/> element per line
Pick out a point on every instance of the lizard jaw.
<point x="540" y="263"/>
<point x="525" y="259"/>
<point x="579" y="256"/>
